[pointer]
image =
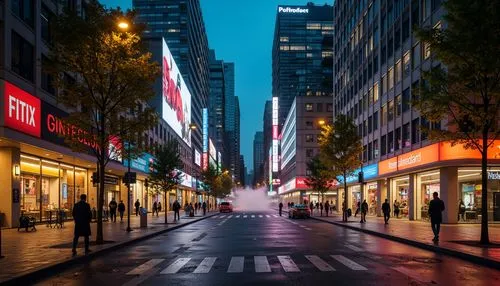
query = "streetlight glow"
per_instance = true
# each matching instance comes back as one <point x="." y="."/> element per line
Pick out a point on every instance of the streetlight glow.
<point x="321" y="122"/>
<point x="123" y="25"/>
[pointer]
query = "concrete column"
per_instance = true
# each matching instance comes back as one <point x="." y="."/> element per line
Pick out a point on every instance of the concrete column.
<point x="340" y="199"/>
<point x="448" y="188"/>
<point x="412" y="198"/>
<point x="11" y="186"/>
<point x="381" y="195"/>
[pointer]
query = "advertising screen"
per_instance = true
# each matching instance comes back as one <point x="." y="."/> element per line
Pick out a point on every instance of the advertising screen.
<point x="197" y="157"/>
<point x="176" y="97"/>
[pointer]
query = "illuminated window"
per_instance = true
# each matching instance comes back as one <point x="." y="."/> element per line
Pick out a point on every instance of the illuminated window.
<point x="390" y="79"/>
<point x="309" y="107"/>
<point x="283" y="39"/>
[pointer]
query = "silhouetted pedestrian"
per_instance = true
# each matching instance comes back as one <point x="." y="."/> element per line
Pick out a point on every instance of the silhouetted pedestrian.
<point x="327" y="208"/>
<point x="396" y="208"/>
<point x="311" y="206"/>
<point x="155" y="208"/>
<point x="321" y="208"/>
<point x="159" y="206"/>
<point x="176" y="207"/>
<point x="82" y="216"/>
<point x="137" y="205"/>
<point x="204" y="207"/>
<point x="358" y="208"/>
<point x="121" y="209"/>
<point x="112" y="209"/>
<point x="280" y="207"/>
<point x="386" y="209"/>
<point x="436" y="207"/>
<point x="364" y="210"/>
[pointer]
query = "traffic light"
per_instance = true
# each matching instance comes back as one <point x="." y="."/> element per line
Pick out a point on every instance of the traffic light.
<point x="360" y="177"/>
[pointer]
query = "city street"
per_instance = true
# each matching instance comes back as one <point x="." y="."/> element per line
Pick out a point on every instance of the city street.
<point x="261" y="248"/>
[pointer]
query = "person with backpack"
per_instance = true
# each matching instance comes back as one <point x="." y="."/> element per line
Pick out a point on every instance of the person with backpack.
<point x="436" y="207"/>
<point x="386" y="210"/>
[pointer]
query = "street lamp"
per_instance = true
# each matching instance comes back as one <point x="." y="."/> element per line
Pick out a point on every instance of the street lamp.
<point x="123" y="25"/>
<point x="321" y="122"/>
<point x="193" y="126"/>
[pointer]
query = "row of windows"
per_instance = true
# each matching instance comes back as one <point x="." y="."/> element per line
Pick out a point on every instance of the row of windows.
<point x="309" y="107"/>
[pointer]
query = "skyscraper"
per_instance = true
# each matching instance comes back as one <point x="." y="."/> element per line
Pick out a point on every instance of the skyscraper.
<point x="232" y="121"/>
<point x="180" y="22"/>
<point x="216" y="103"/>
<point x="258" y="157"/>
<point x="267" y="130"/>
<point x="302" y="54"/>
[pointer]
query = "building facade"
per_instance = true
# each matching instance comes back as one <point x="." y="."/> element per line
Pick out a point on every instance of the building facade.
<point x="267" y="133"/>
<point x="217" y="102"/>
<point x="299" y="144"/>
<point x="302" y="55"/>
<point x="181" y="23"/>
<point x="378" y="61"/>
<point x="258" y="159"/>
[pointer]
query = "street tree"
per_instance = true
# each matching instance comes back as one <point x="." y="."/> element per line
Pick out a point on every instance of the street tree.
<point x="104" y="76"/>
<point x="320" y="177"/>
<point x="165" y="175"/>
<point x="464" y="92"/>
<point x="210" y="180"/>
<point x="224" y="185"/>
<point x="340" y="148"/>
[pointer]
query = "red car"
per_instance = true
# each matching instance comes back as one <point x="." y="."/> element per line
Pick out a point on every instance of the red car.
<point x="299" y="211"/>
<point x="225" y="207"/>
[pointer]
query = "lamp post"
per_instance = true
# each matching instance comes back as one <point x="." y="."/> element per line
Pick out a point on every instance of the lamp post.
<point x="128" y="188"/>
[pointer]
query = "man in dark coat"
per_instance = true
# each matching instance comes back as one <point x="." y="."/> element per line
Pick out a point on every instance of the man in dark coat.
<point x="327" y="207"/>
<point x="137" y="206"/>
<point x="280" y="206"/>
<point x="112" y="209"/>
<point x="82" y="216"/>
<point x="436" y="207"/>
<point x="177" y="207"/>
<point x="121" y="209"/>
<point x="386" y="209"/>
<point x="204" y="207"/>
<point x="364" y="210"/>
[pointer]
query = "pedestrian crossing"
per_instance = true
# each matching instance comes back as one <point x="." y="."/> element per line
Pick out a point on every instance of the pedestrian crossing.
<point x="244" y="216"/>
<point x="256" y="264"/>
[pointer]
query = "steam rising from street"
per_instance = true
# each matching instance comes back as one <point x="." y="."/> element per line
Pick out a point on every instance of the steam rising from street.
<point x="251" y="200"/>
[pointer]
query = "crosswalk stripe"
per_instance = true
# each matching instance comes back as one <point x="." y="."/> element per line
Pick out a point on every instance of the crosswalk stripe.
<point x="253" y="216"/>
<point x="319" y="263"/>
<point x="237" y="216"/>
<point x="260" y="216"/>
<point x="288" y="264"/>
<point x="275" y="215"/>
<point x="261" y="264"/>
<point x="236" y="264"/>
<point x="176" y="266"/>
<point x="145" y="267"/>
<point x="222" y="216"/>
<point x="205" y="265"/>
<point x="347" y="262"/>
<point x="215" y="216"/>
<point x="307" y="228"/>
<point x="230" y="216"/>
<point x="245" y="216"/>
<point x="352" y="247"/>
<point x="268" y="215"/>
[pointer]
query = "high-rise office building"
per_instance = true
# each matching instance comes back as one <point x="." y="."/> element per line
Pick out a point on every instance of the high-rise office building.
<point x="242" y="171"/>
<point x="232" y="121"/>
<point x="216" y="103"/>
<point x="378" y="62"/>
<point x="180" y="22"/>
<point x="302" y="58"/>
<point x="267" y="130"/>
<point x="258" y="158"/>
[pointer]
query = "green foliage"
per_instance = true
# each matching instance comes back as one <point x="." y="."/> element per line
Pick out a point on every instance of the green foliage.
<point x="465" y="92"/>
<point x="224" y="185"/>
<point x="165" y="175"/>
<point x="217" y="184"/>
<point x="340" y="146"/>
<point x="320" y="178"/>
<point x="209" y="178"/>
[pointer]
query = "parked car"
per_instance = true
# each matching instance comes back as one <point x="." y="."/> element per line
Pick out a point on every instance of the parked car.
<point x="225" y="207"/>
<point x="299" y="211"/>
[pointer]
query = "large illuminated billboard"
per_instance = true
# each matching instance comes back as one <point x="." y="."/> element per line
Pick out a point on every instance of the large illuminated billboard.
<point x="275" y="135"/>
<point x="176" y="97"/>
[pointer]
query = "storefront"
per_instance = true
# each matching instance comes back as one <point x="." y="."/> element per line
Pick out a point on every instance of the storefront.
<point x="296" y="191"/>
<point x="361" y="187"/>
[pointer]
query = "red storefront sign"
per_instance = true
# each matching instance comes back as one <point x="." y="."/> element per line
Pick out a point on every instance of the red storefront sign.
<point x="22" y="111"/>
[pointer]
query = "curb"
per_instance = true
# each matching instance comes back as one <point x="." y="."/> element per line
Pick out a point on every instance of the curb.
<point x="464" y="256"/>
<point x="37" y="274"/>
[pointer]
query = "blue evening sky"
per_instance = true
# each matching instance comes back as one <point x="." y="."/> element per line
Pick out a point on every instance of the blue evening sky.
<point x="241" y="31"/>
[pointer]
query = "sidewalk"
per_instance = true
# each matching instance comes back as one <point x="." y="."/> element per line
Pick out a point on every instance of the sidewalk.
<point x="37" y="251"/>
<point x="458" y="240"/>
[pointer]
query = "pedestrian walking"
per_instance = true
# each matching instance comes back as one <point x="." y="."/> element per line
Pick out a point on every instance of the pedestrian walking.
<point x="112" y="209"/>
<point x="461" y="210"/>
<point x="327" y="207"/>
<point x="358" y="208"/>
<point x="386" y="209"/>
<point x="191" y="210"/>
<point x="321" y="208"/>
<point x="155" y="208"/>
<point x="204" y="207"/>
<point x="280" y="207"/>
<point x="137" y="205"/>
<point x="364" y="210"/>
<point x="159" y="206"/>
<point x="311" y="206"/>
<point x="82" y="216"/>
<point x="436" y="207"/>
<point x="396" y="208"/>
<point x="176" y="207"/>
<point x="288" y="204"/>
<point x="317" y="207"/>
<point x="121" y="209"/>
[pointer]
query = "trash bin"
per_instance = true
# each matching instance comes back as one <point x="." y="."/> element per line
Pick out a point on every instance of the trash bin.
<point x="144" y="217"/>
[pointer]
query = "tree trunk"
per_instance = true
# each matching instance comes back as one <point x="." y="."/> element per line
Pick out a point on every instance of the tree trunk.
<point x="484" y="190"/>
<point x="100" y="202"/>
<point x="166" y="206"/>
<point x="344" y="209"/>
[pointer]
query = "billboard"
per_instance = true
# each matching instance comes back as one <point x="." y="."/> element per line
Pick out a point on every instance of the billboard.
<point x="275" y="135"/>
<point x="176" y="103"/>
<point x="197" y="157"/>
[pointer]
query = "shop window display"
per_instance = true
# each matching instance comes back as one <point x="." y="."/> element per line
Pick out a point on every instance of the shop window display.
<point x="429" y="183"/>
<point x="400" y="197"/>
<point x="372" y="199"/>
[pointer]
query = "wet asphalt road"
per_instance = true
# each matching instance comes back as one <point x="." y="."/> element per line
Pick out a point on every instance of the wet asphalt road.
<point x="260" y="248"/>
